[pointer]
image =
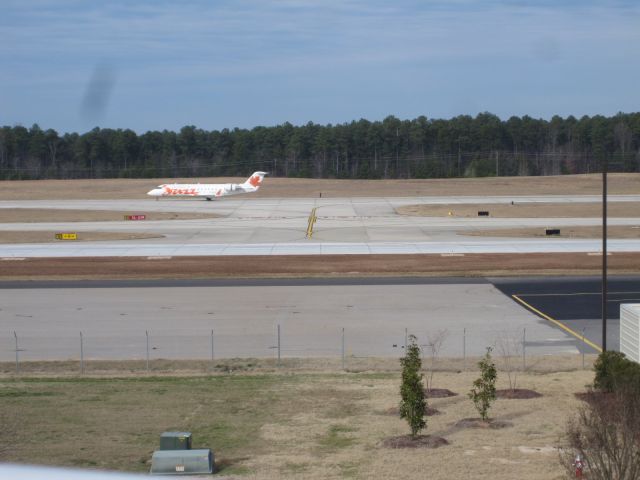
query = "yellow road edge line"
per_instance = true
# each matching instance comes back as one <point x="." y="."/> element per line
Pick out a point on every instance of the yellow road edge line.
<point x="558" y="323"/>
<point x="572" y="294"/>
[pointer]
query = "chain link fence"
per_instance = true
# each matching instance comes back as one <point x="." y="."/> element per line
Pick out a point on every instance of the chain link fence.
<point x="345" y="348"/>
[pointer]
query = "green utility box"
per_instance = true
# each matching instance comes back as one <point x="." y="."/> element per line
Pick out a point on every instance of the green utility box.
<point x="175" y="441"/>
<point x="182" y="462"/>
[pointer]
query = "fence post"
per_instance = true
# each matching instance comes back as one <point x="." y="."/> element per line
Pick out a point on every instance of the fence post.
<point x="146" y="332"/>
<point x="212" y="357"/>
<point x="464" y="349"/>
<point x="81" y="354"/>
<point x="278" y="344"/>
<point x="524" y="348"/>
<point x="17" y="350"/>
<point x="406" y="339"/>
<point x="583" y="349"/>
<point x="342" y="348"/>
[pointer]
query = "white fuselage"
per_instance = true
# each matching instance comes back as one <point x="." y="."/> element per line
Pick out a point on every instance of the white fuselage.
<point x="208" y="190"/>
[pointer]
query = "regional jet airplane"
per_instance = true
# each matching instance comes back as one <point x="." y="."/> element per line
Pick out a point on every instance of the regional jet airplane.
<point x="208" y="190"/>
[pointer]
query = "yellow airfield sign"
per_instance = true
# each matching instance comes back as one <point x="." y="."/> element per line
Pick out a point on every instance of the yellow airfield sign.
<point x="66" y="236"/>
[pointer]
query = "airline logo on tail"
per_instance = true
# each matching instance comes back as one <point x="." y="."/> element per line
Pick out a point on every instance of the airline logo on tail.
<point x="209" y="190"/>
<point x="256" y="179"/>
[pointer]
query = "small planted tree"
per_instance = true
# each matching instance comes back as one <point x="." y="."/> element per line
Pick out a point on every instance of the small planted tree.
<point x="434" y="345"/>
<point x="483" y="392"/>
<point x="510" y="347"/>
<point x="413" y="404"/>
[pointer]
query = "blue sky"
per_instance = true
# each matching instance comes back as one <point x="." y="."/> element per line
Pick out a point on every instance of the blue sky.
<point x="72" y="65"/>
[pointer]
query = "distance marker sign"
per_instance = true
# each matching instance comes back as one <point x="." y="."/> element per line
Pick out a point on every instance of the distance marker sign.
<point x="66" y="236"/>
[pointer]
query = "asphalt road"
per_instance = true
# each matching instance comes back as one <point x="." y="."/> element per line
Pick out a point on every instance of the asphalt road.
<point x="243" y="318"/>
<point x="576" y="302"/>
<point x="244" y="313"/>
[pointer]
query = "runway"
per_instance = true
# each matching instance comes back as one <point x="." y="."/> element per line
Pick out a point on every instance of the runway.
<point x="278" y="227"/>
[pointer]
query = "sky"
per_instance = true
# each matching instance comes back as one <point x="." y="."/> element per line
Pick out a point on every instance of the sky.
<point x="72" y="65"/>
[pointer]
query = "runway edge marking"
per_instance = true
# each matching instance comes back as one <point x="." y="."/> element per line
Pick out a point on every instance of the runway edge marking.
<point x="558" y="323"/>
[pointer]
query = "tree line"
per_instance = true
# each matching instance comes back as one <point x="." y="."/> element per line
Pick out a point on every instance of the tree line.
<point x="483" y="145"/>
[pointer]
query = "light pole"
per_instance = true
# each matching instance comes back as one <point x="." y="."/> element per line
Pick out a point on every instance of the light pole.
<point x="604" y="254"/>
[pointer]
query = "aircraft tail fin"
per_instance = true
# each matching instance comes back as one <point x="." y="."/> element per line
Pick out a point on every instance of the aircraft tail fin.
<point x="255" y="180"/>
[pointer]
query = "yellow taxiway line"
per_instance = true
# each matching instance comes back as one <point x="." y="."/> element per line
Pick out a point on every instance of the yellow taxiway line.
<point x="559" y="324"/>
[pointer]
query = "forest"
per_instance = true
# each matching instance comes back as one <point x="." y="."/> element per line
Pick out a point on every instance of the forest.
<point x="464" y="146"/>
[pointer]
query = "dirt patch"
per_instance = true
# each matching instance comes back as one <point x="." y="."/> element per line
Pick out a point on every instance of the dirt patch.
<point x="395" y="411"/>
<point x="620" y="183"/>
<point x="517" y="393"/>
<point x="491" y="424"/>
<point x="50" y="236"/>
<point x="617" y="231"/>
<point x="439" y="393"/>
<point x="419" y="441"/>
<point x="44" y="215"/>
<point x="274" y="266"/>
<point x="524" y="210"/>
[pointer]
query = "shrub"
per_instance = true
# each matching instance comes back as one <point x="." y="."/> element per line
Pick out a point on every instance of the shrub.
<point x="605" y="435"/>
<point x="614" y="371"/>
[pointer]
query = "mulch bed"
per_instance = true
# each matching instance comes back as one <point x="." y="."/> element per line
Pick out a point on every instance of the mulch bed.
<point x="419" y="441"/>
<point x="479" y="423"/>
<point x="439" y="393"/>
<point x="517" y="393"/>
<point x="432" y="411"/>
<point x="596" y="398"/>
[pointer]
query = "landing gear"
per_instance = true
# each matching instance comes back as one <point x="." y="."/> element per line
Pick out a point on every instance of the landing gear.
<point x="208" y="199"/>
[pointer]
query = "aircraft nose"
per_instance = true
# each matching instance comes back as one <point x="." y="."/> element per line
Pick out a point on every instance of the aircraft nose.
<point x="155" y="192"/>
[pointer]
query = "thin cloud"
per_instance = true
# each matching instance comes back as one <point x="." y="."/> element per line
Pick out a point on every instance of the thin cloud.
<point x="168" y="48"/>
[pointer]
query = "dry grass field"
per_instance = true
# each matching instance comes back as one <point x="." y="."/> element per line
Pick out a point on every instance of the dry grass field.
<point x="623" y="183"/>
<point x="273" y="266"/>
<point x="17" y="236"/>
<point x="271" y="424"/>
<point x="525" y="210"/>
<point x="617" y="231"/>
<point x="536" y="210"/>
<point x="35" y="215"/>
